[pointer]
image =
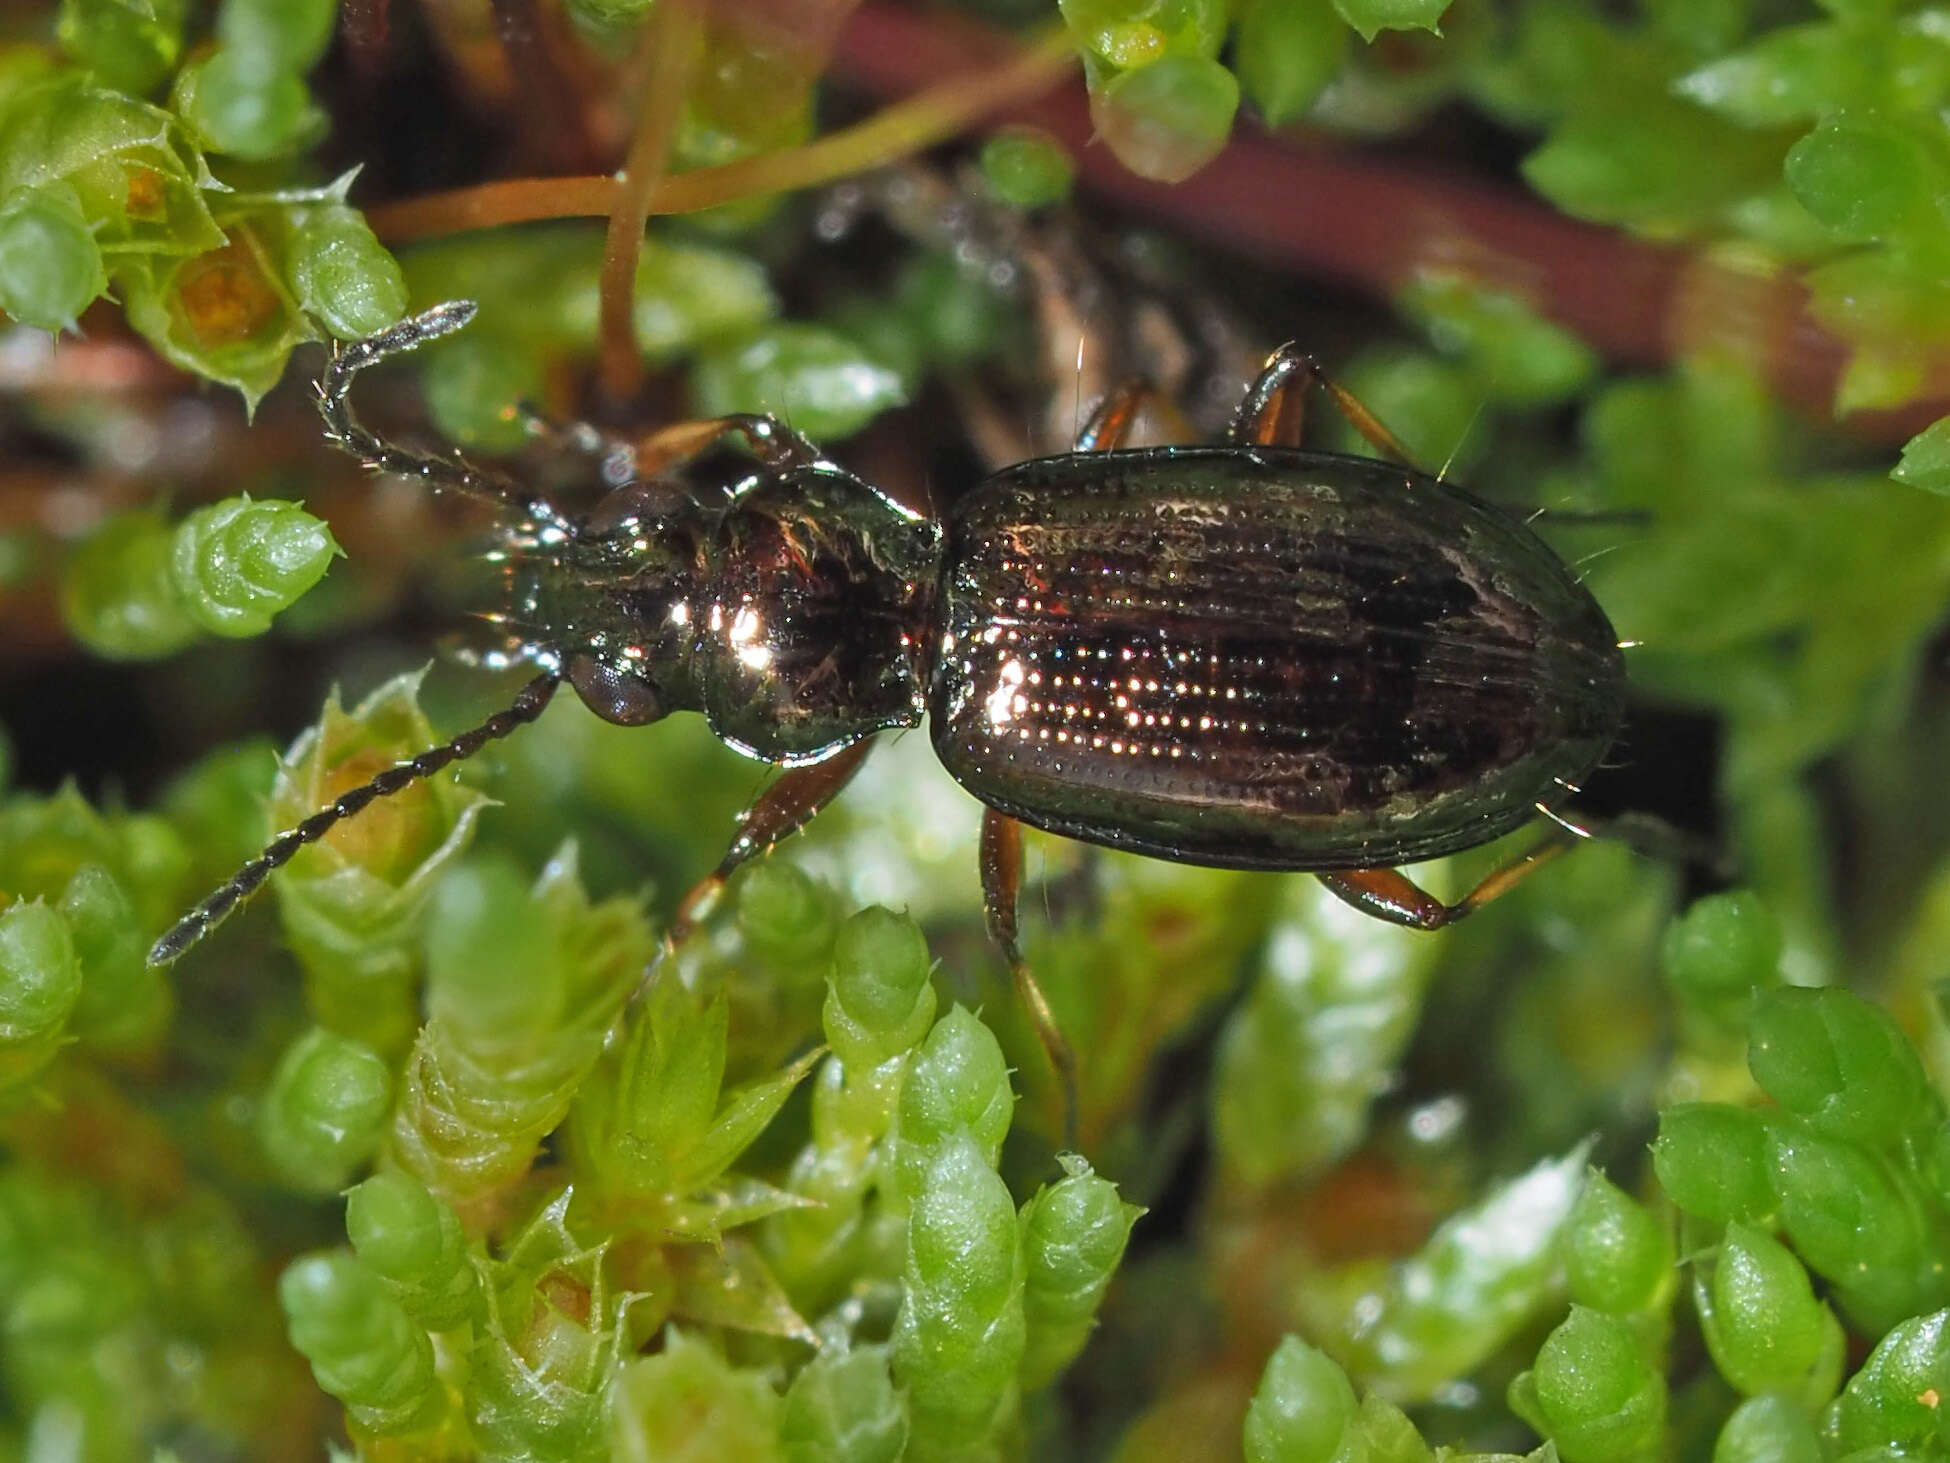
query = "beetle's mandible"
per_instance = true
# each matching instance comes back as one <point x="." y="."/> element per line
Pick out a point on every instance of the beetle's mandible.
<point x="1249" y="655"/>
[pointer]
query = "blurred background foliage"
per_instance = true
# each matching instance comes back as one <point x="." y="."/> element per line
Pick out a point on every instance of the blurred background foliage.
<point x="1648" y="1160"/>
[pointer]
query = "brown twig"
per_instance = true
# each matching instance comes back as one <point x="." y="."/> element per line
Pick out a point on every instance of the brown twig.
<point x="490" y="205"/>
<point x="675" y="37"/>
<point x="1374" y="225"/>
<point x="895" y="132"/>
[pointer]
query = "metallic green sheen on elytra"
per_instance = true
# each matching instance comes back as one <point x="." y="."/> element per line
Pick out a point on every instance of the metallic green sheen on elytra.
<point x="1262" y="657"/>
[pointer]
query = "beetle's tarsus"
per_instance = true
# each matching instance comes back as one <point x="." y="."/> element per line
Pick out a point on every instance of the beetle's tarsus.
<point x="1001" y="869"/>
<point x="1062" y="1056"/>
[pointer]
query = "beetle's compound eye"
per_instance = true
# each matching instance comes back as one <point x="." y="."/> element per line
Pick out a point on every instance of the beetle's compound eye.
<point x="614" y="695"/>
<point x="637" y="507"/>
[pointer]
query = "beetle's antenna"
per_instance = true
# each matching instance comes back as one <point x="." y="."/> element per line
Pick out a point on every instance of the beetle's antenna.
<point x="193" y="926"/>
<point x="452" y="473"/>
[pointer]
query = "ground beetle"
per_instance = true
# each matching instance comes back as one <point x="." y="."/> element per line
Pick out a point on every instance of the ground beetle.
<point x="1251" y="656"/>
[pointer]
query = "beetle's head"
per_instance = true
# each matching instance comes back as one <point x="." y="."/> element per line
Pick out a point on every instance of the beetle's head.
<point x="613" y="605"/>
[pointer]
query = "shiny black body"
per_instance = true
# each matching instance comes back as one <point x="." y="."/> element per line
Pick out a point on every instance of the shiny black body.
<point x="1262" y="657"/>
<point x="1244" y="656"/>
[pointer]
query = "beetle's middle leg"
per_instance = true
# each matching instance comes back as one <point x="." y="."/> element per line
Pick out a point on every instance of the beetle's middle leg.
<point x="1275" y="407"/>
<point x="1113" y="419"/>
<point x="1001" y="860"/>
<point x="781" y="810"/>
<point x="1109" y="425"/>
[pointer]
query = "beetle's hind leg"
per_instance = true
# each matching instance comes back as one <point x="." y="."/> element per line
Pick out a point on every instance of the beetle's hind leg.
<point x="1274" y="410"/>
<point x="1001" y="884"/>
<point x="1389" y="894"/>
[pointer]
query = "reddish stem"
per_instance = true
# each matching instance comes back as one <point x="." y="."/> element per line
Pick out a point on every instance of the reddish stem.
<point x="1374" y="225"/>
<point x="921" y="120"/>
<point x="676" y="39"/>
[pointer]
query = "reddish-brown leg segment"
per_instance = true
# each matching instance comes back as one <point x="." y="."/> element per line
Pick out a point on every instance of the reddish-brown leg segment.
<point x="1001" y="857"/>
<point x="774" y="443"/>
<point x="1111" y="422"/>
<point x="1275" y="409"/>
<point x="1001" y="884"/>
<point x="1391" y="895"/>
<point x="778" y="812"/>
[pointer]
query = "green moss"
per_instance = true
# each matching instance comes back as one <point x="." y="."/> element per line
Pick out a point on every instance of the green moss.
<point x="793" y="1190"/>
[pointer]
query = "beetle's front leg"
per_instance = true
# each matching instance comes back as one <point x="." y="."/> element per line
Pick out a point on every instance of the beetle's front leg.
<point x="777" y="813"/>
<point x="774" y="443"/>
<point x="1001" y="860"/>
<point x="1390" y="895"/>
